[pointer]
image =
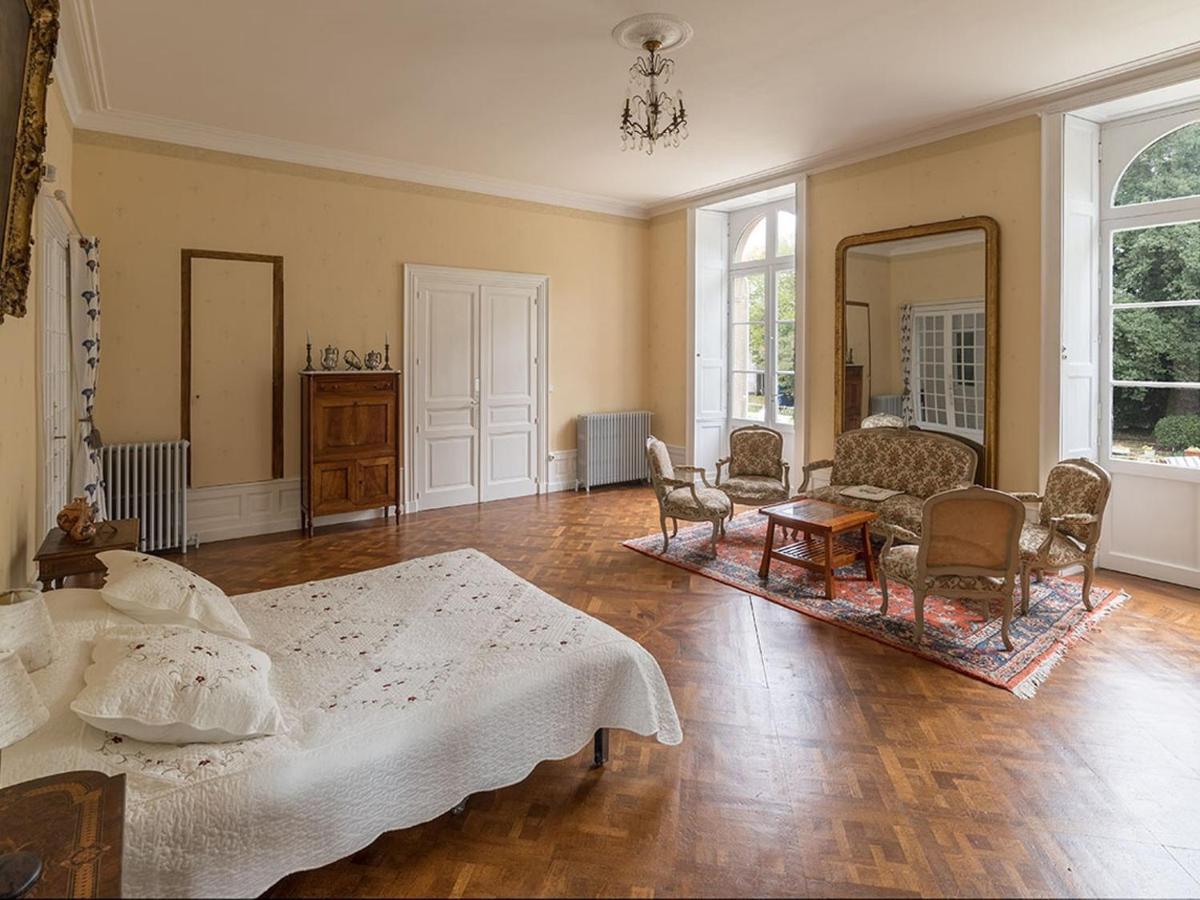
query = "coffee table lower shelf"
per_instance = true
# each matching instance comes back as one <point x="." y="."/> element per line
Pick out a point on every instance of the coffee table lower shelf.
<point x="820" y="550"/>
<point x="809" y="552"/>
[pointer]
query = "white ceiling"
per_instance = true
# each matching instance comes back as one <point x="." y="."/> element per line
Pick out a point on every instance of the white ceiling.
<point x="527" y="92"/>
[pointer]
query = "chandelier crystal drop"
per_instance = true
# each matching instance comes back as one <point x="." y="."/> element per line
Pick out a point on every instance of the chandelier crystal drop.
<point x="652" y="116"/>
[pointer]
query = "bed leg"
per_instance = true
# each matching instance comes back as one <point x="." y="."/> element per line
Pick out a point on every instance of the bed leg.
<point x="461" y="807"/>
<point x="600" y="748"/>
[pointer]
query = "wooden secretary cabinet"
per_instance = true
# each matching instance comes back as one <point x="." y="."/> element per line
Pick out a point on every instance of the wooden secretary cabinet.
<point x="349" y="443"/>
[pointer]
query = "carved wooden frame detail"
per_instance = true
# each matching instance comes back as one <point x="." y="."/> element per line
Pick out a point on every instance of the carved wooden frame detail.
<point x="30" y="145"/>
<point x="991" y="398"/>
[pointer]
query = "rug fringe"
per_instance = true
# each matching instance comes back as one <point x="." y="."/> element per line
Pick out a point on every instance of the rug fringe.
<point x="1029" y="685"/>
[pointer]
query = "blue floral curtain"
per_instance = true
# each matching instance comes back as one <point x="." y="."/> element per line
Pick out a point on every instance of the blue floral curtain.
<point x="907" y="410"/>
<point x="86" y="474"/>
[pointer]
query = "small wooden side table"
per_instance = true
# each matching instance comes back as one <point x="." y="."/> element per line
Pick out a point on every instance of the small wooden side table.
<point x="75" y="822"/>
<point x="59" y="556"/>
<point x="819" y="550"/>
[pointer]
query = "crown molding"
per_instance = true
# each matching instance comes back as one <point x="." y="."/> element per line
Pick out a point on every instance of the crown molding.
<point x="68" y="87"/>
<point x="92" y="68"/>
<point x="85" y="95"/>
<point x="1160" y="70"/>
<point x="208" y="137"/>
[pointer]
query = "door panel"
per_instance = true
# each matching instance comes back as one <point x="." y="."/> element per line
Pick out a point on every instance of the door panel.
<point x="375" y="480"/>
<point x="360" y="424"/>
<point x="446" y="344"/>
<point x="333" y="487"/>
<point x="232" y="375"/>
<point x="509" y="392"/>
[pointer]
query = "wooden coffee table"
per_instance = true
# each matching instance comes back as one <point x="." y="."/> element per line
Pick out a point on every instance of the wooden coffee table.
<point x="819" y="549"/>
<point x="59" y="556"/>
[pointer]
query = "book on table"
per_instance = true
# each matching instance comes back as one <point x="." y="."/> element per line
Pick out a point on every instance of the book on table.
<point x="868" y="492"/>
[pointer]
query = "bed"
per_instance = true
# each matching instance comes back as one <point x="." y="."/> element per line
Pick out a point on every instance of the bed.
<point x="405" y="689"/>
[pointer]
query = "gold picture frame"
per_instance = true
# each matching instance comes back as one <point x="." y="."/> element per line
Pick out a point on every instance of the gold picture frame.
<point x="991" y="231"/>
<point x="30" y="26"/>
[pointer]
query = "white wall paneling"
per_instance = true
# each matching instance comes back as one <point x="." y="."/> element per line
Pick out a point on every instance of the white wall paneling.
<point x="229" y="511"/>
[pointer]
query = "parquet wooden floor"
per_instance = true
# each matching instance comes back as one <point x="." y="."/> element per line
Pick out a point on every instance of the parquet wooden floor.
<point x="814" y="762"/>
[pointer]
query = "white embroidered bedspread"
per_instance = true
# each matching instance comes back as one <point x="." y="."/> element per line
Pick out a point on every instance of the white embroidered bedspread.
<point x="405" y="689"/>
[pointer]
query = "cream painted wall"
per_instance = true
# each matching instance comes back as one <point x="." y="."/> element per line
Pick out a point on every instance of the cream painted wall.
<point x="19" y="456"/>
<point x="344" y="240"/>
<point x="666" y="327"/>
<point x="993" y="172"/>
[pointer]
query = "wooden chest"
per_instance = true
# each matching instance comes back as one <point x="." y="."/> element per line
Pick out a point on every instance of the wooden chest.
<point x="349" y="443"/>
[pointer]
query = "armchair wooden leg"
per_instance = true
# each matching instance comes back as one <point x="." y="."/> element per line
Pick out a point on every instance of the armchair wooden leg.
<point x="1006" y="621"/>
<point x="919" y="610"/>
<point x="883" y="607"/>
<point x="674" y="527"/>
<point x="1088" y="571"/>
<point x="662" y="521"/>
<point x="1024" y="589"/>
<point x="716" y="526"/>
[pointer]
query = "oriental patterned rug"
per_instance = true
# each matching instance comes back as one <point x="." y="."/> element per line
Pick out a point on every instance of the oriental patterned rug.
<point x="958" y="634"/>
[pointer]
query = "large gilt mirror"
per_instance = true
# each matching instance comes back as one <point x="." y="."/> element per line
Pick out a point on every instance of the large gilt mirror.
<point x="28" y="34"/>
<point x="917" y="331"/>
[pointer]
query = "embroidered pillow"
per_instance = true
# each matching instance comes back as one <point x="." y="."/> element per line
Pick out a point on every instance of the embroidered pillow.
<point x="171" y="684"/>
<point x="159" y="592"/>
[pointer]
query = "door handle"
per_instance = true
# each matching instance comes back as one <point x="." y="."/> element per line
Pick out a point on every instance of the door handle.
<point x="60" y="437"/>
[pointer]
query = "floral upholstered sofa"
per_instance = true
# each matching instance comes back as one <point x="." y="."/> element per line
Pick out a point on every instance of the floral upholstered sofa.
<point x="919" y="464"/>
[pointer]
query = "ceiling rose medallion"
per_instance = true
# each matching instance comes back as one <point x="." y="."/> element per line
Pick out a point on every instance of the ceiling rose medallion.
<point x="652" y="116"/>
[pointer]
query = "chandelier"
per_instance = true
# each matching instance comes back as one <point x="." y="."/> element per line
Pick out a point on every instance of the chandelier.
<point x="651" y="115"/>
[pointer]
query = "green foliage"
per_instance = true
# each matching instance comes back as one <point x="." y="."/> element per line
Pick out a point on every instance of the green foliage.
<point x="1177" y="433"/>
<point x="1170" y="167"/>
<point x="1157" y="264"/>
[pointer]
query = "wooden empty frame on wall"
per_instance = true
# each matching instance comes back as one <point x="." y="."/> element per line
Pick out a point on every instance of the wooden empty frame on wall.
<point x="185" y="396"/>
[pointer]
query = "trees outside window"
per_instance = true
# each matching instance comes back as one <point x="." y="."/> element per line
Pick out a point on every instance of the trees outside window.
<point x="1155" y="303"/>
<point x="762" y="316"/>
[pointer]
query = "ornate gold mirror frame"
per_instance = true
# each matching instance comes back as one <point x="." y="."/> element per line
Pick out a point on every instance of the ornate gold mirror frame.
<point x="991" y="231"/>
<point x="28" y="36"/>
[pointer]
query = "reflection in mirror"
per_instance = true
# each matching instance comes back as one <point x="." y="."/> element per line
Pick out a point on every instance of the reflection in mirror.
<point x="914" y="332"/>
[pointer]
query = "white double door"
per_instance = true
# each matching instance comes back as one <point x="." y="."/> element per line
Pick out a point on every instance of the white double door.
<point x="476" y="388"/>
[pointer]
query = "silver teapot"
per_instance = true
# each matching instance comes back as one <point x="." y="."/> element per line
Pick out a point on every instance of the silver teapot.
<point x="374" y="359"/>
<point x="329" y="358"/>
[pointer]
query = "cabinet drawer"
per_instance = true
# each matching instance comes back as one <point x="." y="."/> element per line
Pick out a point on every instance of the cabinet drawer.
<point x="355" y="385"/>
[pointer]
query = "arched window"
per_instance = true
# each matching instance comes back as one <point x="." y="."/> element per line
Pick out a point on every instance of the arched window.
<point x="753" y="245"/>
<point x="762" y="315"/>
<point x="1150" y="239"/>
<point x="1165" y="170"/>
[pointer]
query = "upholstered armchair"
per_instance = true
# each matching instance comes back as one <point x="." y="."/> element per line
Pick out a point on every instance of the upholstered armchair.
<point x="969" y="549"/>
<point x="758" y="473"/>
<point x="681" y="498"/>
<point x="1067" y="532"/>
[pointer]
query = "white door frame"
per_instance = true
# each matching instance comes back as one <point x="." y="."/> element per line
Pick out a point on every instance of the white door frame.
<point x="412" y="271"/>
<point x="52" y="224"/>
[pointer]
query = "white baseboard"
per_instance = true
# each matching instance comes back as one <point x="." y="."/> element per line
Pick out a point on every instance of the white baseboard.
<point x="561" y="476"/>
<point x="563" y="467"/>
<point x="228" y="511"/>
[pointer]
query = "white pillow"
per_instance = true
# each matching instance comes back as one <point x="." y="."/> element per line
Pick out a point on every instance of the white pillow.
<point x="159" y="592"/>
<point x="171" y="684"/>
